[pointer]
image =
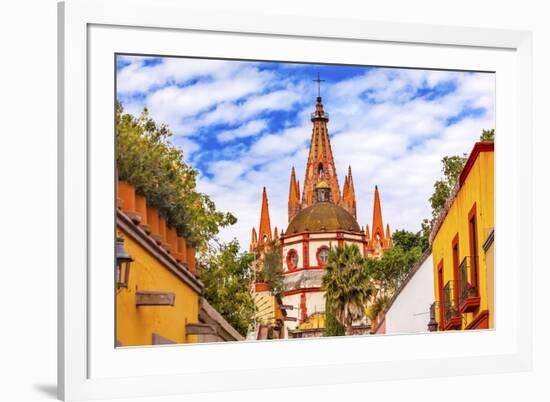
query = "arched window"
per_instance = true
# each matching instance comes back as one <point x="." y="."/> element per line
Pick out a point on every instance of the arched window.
<point x="322" y="256"/>
<point x="320" y="170"/>
<point x="378" y="240"/>
<point x="323" y="194"/>
<point x="292" y="260"/>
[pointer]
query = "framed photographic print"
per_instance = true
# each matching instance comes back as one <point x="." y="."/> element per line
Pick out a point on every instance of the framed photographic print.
<point x="256" y="201"/>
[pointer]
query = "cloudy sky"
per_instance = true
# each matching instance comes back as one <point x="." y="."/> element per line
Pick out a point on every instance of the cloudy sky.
<point x="244" y="124"/>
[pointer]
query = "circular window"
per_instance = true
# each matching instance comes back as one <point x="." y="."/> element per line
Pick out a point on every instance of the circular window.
<point x="292" y="259"/>
<point x="322" y="256"/>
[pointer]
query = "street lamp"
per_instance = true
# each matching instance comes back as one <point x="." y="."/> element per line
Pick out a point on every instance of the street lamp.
<point x="123" y="262"/>
<point x="432" y="324"/>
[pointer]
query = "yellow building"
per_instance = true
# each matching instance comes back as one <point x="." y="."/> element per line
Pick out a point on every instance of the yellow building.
<point x="314" y="326"/>
<point x="158" y="295"/>
<point x="462" y="248"/>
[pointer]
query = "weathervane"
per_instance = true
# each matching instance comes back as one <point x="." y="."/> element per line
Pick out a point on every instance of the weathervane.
<point x="318" y="81"/>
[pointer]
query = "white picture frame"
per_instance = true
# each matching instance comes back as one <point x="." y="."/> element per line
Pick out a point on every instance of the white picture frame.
<point x="89" y="367"/>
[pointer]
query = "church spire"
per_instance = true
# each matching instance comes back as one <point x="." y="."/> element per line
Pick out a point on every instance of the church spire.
<point x="293" y="196"/>
<point x="254" y="240"/>
<point x="348" y="195"/>
<point x="350" y="183"/>
<point x="264" y="233"/>
<point x="345" y="188"/>
<point x="320" y="163"/>
<point x="377" y="224"/>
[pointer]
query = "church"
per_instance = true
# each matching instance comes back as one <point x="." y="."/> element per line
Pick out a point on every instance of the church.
<point x="320" y="216"/>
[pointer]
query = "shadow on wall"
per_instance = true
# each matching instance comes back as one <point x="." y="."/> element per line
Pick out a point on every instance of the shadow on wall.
<point x="47" y="389"/>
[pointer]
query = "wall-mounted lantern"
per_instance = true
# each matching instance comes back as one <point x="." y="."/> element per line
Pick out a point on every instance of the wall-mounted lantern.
<point x="432" y="324"/>
<point x="123" y="262"/>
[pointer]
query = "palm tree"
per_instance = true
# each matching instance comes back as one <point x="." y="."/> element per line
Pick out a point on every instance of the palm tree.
<point x="347" y="285"/>
<point x="376" y="307"/>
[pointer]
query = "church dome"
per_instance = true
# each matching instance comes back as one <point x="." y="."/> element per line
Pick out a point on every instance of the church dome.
<point x="323" y="216"/>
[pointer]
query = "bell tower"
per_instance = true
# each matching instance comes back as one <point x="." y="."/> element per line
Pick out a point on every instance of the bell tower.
<point x="320" y="163"/>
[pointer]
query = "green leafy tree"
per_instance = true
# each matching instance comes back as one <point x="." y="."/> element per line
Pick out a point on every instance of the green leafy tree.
<point x="487" y="135"/>
<point x="269" y="269"/>
<point x="226" y="275"/>
<point x="377" y="307"/>
<point x="347" y="286"/>
<point x="452" y="167"/>
<point x="409" y="240"/>
<point x="332" y="326"/>
<point x="393" y="267"/>
<point x="426" y="229"/>
<point x="147" y="159"/>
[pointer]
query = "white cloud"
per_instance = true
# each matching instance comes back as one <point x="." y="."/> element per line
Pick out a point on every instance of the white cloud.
<point x="229" y="112"/>
<point x="396" y="145"/>
<point x="139" y="77"/>
<point x="248" y="129"/>
<point x="379" y="126"/>
<point x="173" y="104"/>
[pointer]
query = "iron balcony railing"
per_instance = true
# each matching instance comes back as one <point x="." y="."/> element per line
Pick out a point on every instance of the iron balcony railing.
<point x="317" y="115"/>
<point x="468" y="280"/>
<point x="449" y="304"/>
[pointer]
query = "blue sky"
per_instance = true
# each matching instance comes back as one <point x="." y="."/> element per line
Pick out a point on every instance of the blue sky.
<point x="243" y="125"/>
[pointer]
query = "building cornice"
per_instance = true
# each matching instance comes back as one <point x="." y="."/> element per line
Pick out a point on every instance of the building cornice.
<point x="310" y="268"/>
<point x="301" y="290"/>
<point x="325" y="232"/>
<point x="144" y="240"/>
<point x="478" y="148"/>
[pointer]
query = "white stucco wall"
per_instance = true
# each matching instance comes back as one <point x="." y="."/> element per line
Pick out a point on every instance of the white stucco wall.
<point x="314" y="244"/>
<point x="410" y="311"/>
<point x="299" y="250"/>
<point x="292" y="300"/>
<point x="309" y="278"/>
<point x="315" y="302"/>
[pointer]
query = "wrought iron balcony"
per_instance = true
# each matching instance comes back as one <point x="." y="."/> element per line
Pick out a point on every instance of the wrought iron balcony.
<point x="317" y="115"/>
<point x="451" y="314"/>
<point x="469" y="288"/>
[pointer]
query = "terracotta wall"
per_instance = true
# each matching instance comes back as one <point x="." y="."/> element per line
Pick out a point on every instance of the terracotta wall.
<point x="149" y="220"/>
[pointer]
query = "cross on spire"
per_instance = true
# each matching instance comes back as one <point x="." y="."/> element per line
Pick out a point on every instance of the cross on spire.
<point x="318" y="81"/>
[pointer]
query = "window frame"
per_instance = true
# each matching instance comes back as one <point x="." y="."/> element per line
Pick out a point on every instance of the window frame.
<point x="318" y="255"/>
<point x="290" y="265"/>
